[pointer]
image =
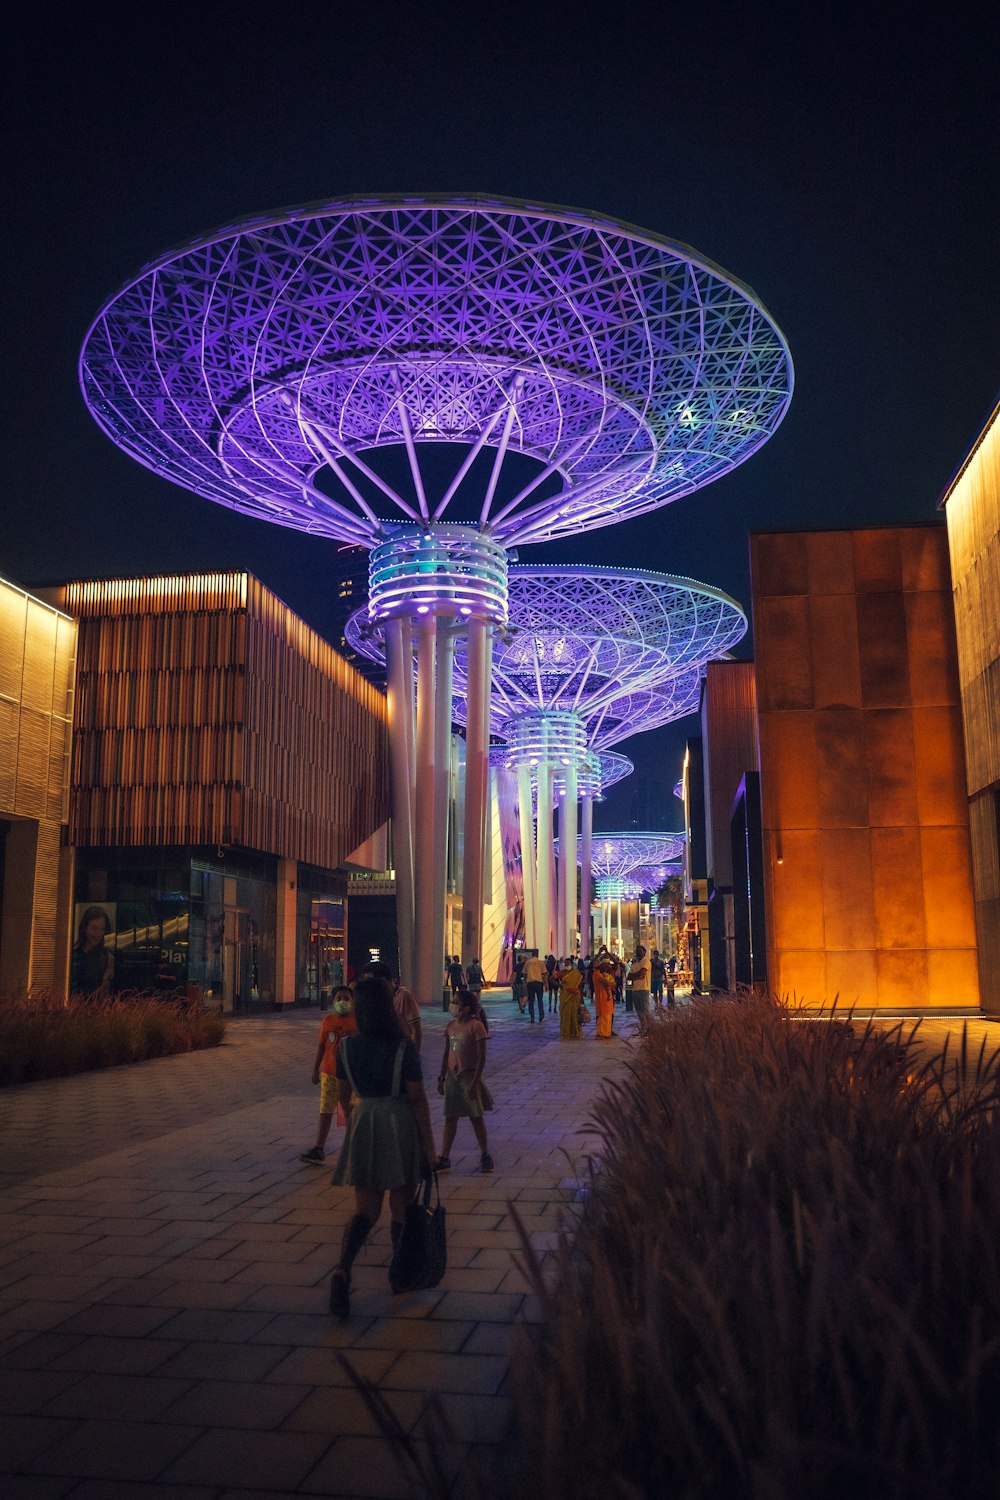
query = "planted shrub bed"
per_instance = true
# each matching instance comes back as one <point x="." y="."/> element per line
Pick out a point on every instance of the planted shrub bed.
<point x="785" y="1280"/>
<point x="43" y="1036"/>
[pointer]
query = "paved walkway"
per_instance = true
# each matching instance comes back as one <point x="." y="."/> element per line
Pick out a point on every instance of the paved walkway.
<point x="164" y="1262"/>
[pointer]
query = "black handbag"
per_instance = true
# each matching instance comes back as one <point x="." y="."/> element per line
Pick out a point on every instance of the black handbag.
<point x="421" y="1256"/>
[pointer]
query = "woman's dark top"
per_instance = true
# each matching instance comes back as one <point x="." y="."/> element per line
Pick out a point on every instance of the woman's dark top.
<point x="89" y="967"/>
<point x="372" y="1063"/>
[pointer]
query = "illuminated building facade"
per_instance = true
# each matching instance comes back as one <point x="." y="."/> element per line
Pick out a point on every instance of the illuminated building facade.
<point x="228" y="768"/>
<point x="37" y="653"/>
<point x="972" y="511"/>
<point x="865" y="818"/>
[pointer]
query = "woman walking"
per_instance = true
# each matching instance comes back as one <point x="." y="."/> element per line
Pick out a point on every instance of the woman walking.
<point x="389" y="1145"/>
<point x="604" y="995"/>
<point x="461" y="1082"/>
<point x="570" y="997"/>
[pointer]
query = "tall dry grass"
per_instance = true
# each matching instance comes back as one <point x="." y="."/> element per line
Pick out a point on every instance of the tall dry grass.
<point x="785" y="1281"/>
<point x="45" y="1036"/>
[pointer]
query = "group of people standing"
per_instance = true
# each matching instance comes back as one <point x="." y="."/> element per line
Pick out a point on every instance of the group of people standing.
<point x="569" y="983"/>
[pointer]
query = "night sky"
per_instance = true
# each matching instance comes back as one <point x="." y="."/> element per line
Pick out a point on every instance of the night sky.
<point x="843" y="162"/>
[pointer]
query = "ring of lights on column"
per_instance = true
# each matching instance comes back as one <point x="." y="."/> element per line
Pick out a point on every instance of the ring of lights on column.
<point x="452" y="570"/>
<point x="262" y="365"/>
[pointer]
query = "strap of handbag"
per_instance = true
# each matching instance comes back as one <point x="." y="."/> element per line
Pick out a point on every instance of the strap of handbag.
<point x="426" y="1198"/>
<point x="397" y="1069"/>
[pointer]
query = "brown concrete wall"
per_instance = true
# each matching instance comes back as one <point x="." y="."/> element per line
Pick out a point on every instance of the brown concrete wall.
<point x="866" y="830"/>
<point x="972" y="510"/>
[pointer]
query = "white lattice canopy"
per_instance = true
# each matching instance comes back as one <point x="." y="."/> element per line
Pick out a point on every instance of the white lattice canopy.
<point x="624" y="649"/>
<point x="618" y="855"/>
<point x="580" y="370"/>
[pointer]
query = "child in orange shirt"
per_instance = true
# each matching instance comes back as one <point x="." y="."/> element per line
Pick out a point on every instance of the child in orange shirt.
<point x="338" y="1024"/>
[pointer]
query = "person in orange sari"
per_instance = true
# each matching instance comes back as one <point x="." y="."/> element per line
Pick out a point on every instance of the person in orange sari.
<point x="604" y="996"/>
<point x="570" y="988"/>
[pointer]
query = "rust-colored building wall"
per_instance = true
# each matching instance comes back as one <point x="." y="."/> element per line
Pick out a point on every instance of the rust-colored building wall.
<point x="972" y="510"/>
<point x="208" y="713"/>
<point x="865" y="821"/>
<point x="37" y="651"/>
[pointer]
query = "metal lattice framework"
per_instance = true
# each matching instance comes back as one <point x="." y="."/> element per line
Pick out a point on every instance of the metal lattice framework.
<point x="258" y="366"/>
<point x="619" y="855"/>
<point x="624" y="648"/>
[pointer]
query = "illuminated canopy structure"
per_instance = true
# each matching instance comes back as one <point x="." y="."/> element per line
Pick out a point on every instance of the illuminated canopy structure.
<point x="629" y="864"/>
<point x="590" y="656"/>
<point x="618" y="855"/>
<point x="315" y="366"/>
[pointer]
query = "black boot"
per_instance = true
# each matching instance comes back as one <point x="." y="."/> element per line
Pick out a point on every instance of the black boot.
<point x="355" y="1234"/>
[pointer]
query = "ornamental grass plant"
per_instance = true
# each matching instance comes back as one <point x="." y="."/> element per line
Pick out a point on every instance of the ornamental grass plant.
<point x="784" y="1280"/>
<point x="45" y="1036"/>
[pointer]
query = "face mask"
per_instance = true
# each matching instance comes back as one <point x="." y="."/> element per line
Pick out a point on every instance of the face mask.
<point x="455" y="1010"/>
<point x="342" y="1007"/>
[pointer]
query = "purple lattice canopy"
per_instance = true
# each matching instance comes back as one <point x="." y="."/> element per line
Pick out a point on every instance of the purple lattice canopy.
<point x="264" y="365"/>
<point x="617" y="855"/>
<point x="624" y="648"/>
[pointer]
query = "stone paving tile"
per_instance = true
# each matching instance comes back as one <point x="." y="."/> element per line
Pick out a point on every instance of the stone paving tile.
<point x="275" y="1460"/>
<point x="22" y="1439"/>
<point x="341" y="1411"/>
<point x="115" y="1322"/>
<point x="208" y="1361"/>
<point x="116" y="1450"/>
<point x="231" y="1403"/>
<point x="133" y="1398"/>
<point x="227" y="1327"/>
<point x="115" y="1356"/>
<point x="432" y="1370"/>
<point x="25" y="1391"/>
<point x="36" y="1487"/>
<point x="325" y="1367"/>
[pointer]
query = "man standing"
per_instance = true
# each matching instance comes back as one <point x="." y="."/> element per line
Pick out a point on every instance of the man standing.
<point x="656" y="971"/>
<point x="474" y="974"/>
<point x="638" y="988"/>
<point x="456" y="975"/>
<point x="535" y="976"/>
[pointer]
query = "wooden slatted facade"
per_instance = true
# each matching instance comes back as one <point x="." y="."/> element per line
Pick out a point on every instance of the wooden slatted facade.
<point x="209" y="714"/>
<point x="972" y="510"/>
<point x="37" y="651"/>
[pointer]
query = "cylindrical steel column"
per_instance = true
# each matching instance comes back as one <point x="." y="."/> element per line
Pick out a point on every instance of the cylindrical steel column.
<point x="528" y="855"/>
<point x="586" y="871"/>
<point x="442" y="779"/>
<point x="400" y="704"/>
<point x="543" y="877"/>
<point x="429" y="916"/>
<point x="567" y="860"/>
<point x="477" y="746"/>
<point x="434" y="577"/>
